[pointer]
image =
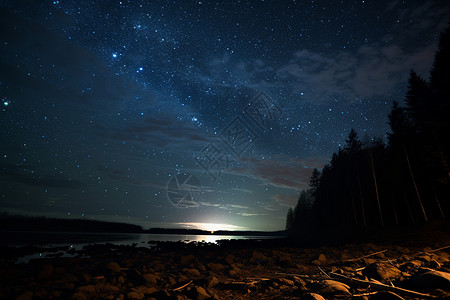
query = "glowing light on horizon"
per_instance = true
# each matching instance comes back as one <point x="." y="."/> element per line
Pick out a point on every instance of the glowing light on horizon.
<point x="212" y="227"/>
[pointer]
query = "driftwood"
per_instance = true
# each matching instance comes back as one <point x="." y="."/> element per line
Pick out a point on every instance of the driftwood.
<point x="182" y="287"/>
<point x="382" y="286"/>
<point x="368" y="255"/>
<point x="321" y="270"/>
<point x="310" y="277"/>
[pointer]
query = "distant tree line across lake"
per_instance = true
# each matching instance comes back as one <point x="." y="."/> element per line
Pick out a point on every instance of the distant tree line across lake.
<point x="43" y="224"/>
<point x="369" y="184"/>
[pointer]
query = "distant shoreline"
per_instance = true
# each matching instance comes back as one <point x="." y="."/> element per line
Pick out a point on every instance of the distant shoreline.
<point x="15" y="223"/>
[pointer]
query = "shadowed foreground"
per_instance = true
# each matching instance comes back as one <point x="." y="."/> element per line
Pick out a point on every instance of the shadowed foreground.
<point x="416" y="266"/>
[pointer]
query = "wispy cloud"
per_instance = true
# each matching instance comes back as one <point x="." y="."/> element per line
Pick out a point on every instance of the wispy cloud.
<point x="293" y="174"/>
<point x="251" y="214"/>
<point x="288" y="200"/>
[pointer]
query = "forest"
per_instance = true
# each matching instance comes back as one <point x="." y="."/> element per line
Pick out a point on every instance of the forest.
<point x="405" y="181"/>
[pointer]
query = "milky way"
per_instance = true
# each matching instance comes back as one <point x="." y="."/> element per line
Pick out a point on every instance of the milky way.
<point x="194" y="114"/>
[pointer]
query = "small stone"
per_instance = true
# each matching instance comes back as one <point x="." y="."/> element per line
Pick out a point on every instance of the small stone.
<point x="312" y="296"/>
<point x="286" y="281"/>
<point x="79" y="296"/>
<point x="187" y="259"/>
<point x="199" y="293"/>
<point x="25" y="296"/>
<point x="212" y="281"/>
<point x="229" y="259"/>
<point x="46" y="272"/>
<point x="386" y="295"/>
<point x="321" y="260"/>
<point x="135" y="295"/>
<point x="113" y="267"/>
<point x="216" y="267"/>
<point x="193" y="273"/>
<point x="258" y="256"/>
<point x="150" y="279"/>
<point x="159" y="267"/>
<point x="87" y="289"/>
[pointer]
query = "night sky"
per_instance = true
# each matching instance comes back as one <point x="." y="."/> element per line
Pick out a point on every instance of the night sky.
<point x="197" y="114"/>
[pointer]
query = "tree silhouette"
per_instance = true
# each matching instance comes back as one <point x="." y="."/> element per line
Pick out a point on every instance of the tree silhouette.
<point x="406" y="182"/>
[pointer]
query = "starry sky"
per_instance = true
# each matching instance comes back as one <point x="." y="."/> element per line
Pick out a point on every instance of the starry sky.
<point x="196" y="114"/>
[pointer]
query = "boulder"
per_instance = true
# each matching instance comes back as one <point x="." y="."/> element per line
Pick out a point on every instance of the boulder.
<point x="332" y="287"/>
<point x="381" y="271"/>
<point x="431" y="280"/>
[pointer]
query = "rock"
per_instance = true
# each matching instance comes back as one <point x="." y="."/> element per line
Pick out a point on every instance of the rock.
<point x="187" y="259"/>
<point x="381" y="271"/>
<point x="369" y="261"/>
<point x="120" y="279"/>
<point x="332" y="287"/>
<point x="312" y="296"/>
<point x="386" y="295"/>
<point x="193" y="273"/>
<point x="113" y="267"/>
<point x="149" y="290"/>
<point x="321" y="260"/>
<point x="106" y="288"/>
<point x="25" y="296"/>
<point x="135" y="295"/>
<point x="431" y="280"/>
<point x="216" y="267"/>
<point x="159" y="267"/>
<point x="199" y="293"/>
<point x="79" y="296"/>
<point x="229" y="259"/>
<point x="300" y="283"/>
<point x="258" y="256"/>
<point x="286" y="281"/>
<point x="150" y="279"/>
<point x="86" y="289"/>
<point x="212" y="281"/>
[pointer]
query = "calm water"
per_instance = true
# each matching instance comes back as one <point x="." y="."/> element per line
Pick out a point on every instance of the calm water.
<point x="76" y="238"/>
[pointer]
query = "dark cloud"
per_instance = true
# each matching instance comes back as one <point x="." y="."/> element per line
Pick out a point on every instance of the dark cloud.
<point x="161" y="131"/>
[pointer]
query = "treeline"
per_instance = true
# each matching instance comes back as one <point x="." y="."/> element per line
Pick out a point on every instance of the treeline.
<point x="27" y="223"/>
<point x="371" y="184"/>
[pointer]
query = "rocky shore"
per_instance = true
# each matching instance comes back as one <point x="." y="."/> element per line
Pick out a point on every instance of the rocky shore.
<point x="232" y="270"/>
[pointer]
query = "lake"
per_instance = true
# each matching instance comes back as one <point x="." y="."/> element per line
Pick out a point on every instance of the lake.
<point x="77" y="240"/>
<point x="48" y="239"/>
